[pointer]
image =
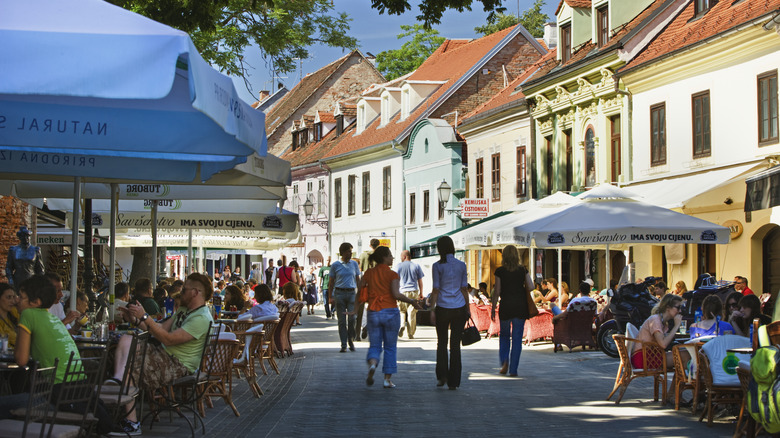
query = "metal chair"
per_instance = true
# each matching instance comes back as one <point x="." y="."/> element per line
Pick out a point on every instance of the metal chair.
<point x="37" y="411"/>
<point x="127" y="395"/>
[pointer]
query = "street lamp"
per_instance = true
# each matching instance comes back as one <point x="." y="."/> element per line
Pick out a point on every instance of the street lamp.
<point x="444" y="191"/>
<point x="308" y="210"/>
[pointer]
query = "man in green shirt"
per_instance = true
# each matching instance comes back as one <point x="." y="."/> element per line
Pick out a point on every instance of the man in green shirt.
<point x="181" y="337"/>
<point x="143" y="293"/>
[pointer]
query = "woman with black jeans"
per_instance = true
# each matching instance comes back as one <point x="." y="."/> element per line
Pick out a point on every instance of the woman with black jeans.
<point x="449" y="300"/>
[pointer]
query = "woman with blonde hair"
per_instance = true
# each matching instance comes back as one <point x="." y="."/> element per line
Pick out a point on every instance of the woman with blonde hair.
<point x="512" y="285"/>
<point x="680" y="288"/>
<point x="660" y="328"/>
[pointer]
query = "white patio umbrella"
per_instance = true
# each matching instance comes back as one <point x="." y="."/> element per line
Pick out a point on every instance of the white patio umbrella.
<point x="90" y="90"/>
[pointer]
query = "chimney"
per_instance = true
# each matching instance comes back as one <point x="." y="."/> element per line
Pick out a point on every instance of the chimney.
<point x="263" y="95"/>
<point x="371" y="58"/>
<point x="551" y="34"/>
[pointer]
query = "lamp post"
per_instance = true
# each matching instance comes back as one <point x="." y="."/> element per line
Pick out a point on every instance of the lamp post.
<point x="308" y="211"/>
<point x="444" y="191"/>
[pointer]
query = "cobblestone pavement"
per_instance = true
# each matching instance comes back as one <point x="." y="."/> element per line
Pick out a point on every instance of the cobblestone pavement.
<point x="321" y="392"/>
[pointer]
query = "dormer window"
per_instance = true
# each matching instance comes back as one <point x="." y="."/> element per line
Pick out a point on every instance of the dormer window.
<point x="702" y="6"/>
<point x="602" y="25"/>
<point x="565" y="42"/>
<point x="318" y="131"/>
<point x="304" y="137"/>
<point x="361" y="117"/>
<point x="339" y="124"/>
<point x="385" y="109"/>
<point x="406" y="102"/>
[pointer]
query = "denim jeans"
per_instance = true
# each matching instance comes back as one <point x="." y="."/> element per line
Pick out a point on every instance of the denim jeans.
<point x="326" y="302"/>
<point x="383" y="328"/>
<point x="452" y="320"/>
<point x="517" y="326"/>
<point x="345" y="303"/>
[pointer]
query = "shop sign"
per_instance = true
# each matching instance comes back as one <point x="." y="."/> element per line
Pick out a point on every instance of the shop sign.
<point x="474" y="208"/>
<point x="735" y="228"/>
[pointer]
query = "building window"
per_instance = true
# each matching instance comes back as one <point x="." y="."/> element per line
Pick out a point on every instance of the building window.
<point x="767" y="108"/>
<point x="548" y="164"/>
<point x="658" y="134"/>
<point x="700" y="103"/>
<point x="703" y="6"/>
<point x="386" y="189"/>
<point x="495" y="176"/>
<point x="294" y="200"/>
<point x="590" y="157"/>
<point x="339" y="124"/>
<point x="361" y="117"/>
<point x="569" y="159"/>
<point x="295" y="140"/>
<point x="351" y="194"/>
<point x="337" y="197"/>
<point x="303" y="138"/>
<point x="426" y="205"/>
<point x="602" y="23"/>
<point x="366" y="192"/>
<point x="565" y="43"/>
<point x="521" y="190"/>
<point x="614" y="123"/>
<point x="318" y="131"/>
<point x="321" y="196"/>
<point x="406" y="103"/>
<point x="480" y="178"/>
<point x="412" y="208"/>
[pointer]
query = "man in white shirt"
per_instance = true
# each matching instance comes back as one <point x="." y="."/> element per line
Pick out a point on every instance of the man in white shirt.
<point x="582" y="297"/>
<point x="57" y="309"/>
<point x="411" y="284"/>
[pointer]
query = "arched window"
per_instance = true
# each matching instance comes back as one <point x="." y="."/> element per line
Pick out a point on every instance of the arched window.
<point x="590" y="157"/>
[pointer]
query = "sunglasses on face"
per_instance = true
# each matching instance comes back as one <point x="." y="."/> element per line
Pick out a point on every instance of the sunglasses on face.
<point x="678" y="307"/>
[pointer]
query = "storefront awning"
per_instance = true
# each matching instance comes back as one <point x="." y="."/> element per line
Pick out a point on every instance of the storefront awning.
<point x="763" y="190"/>
<point x="677" y="192"/>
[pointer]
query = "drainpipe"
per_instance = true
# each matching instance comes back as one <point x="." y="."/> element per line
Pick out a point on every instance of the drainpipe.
<point x="325" y="167"/>
<point x="397" y="147"/>
<point x="629" y="116"/>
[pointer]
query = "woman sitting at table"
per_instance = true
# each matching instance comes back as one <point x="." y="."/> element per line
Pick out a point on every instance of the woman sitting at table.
<point x="710" y="325"/>
<point x="552" y="290"/>
<point x="742" y="319"/>
<point x="660" y="328"/>
<point x="9" y="314"/>
<point x="233" y="298"/>
<point x="265" y="308"/>
<point x="82" y="305"/>
<point x="292" y="294"/>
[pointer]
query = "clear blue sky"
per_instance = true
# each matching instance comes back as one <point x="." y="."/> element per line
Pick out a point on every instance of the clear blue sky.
<point x="376" y="33"/>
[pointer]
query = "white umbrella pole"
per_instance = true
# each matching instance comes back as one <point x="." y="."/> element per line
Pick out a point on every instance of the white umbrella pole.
<point x="560" y="267"/>
<point x="112" y="249"/>
<point x="532" y="263"/>
<point x="74" y="246"/>
<point x="189" y="254"/>
<point x="154" y="243"/>
<point x="609" y="268"/>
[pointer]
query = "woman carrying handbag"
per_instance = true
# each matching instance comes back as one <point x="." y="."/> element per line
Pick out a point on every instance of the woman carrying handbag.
<point x="513" y="284"/>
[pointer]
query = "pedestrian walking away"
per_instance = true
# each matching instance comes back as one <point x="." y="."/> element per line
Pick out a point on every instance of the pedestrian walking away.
<point x="410" y="284"/>
<point x="324" y="275"/>
<point x="384" y="318"/>
<point x="512" y="286"/>
<point x="449" y="299"/>
<point x="365" y="264"/>
<point x="344" y="278"/>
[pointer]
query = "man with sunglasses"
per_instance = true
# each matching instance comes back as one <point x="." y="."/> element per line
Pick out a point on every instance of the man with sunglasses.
<point x="181" y="339"/>
<point x="741" y="286"/>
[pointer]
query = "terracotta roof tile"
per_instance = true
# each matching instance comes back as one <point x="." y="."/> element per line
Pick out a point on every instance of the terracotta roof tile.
<point x="508" y="94"/>
<point x="448" y="63"/>
<point x="574" y="4"/>
<point x="287" y="106"/>
<point x="685" y="30"/>
<point x="326" y="117"/>
<point x="311" y="153"/>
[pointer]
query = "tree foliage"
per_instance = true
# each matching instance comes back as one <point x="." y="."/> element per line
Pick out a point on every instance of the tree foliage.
<point x="224" y="30"/>
<point x="395" y="63"/>
<point x="431" y="11"/>
<point x="532" y="19"/>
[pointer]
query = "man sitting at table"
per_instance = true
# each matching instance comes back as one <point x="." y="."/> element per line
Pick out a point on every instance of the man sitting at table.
<point x="181" y="339"/>
<point x="583" y="297"/>
<point x="144" y="295"/>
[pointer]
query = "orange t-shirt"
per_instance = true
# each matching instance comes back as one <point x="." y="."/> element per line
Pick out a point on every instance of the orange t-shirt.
<point x="379" y="294"/>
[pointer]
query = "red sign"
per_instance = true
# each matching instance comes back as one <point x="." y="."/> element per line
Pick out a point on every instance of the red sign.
<point x="474" y="208"/>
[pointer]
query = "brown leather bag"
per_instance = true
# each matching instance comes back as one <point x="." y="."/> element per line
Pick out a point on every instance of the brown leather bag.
<point x="532" y="310"/>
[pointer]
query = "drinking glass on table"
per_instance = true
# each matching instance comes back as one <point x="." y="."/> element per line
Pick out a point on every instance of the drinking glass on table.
<point x="683" y="326"/>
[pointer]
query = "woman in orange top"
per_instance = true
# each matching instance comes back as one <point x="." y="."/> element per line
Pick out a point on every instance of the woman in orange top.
<point x="384" y="318"/>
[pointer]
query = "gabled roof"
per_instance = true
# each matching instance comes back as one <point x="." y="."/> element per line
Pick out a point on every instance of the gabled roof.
<point x="286" y="107"/>
<point x="590" y="50"/>
<point x="686" y="31"/>
<point x="326" y="117"/>
<point x="452" y="61"/>
<point x="508" y="95"/>
<point x="311" y="153"/>
<point x="582" y="4"/>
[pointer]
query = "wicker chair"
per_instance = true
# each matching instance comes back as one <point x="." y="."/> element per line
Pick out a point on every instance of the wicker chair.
<point x="574" y="327"/>
<point x="220" y="376"/>
<point x="539" y="327"/>
<point x="247" y="367"/>
<point x="282" y="334"/>
<point x="268" y="347"/>
<point x="653" y="365"/>
<point x="716" y="394"/>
